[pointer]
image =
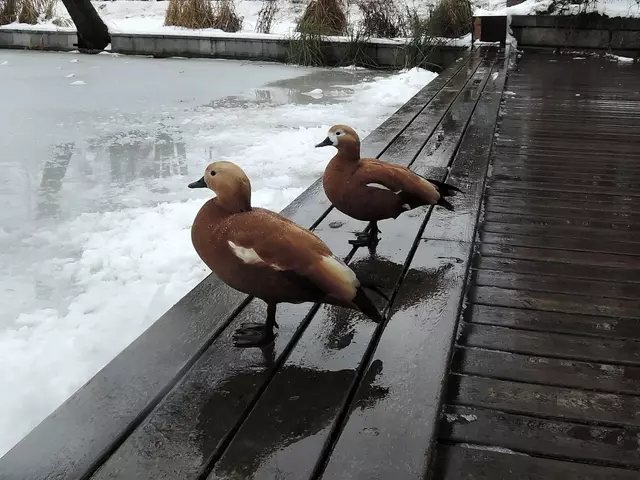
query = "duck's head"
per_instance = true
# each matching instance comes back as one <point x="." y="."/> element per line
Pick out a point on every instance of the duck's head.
<point x="344" y="138"/>
<point x="230" y="184"/>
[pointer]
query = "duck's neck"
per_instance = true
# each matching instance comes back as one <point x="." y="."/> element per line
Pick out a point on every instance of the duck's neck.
<point x="349" y="151"/>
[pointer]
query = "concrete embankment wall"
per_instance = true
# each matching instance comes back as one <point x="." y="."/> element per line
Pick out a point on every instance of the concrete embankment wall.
<point x="382" y="53"/>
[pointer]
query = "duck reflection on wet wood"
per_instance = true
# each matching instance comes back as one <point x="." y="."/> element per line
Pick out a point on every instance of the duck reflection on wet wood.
<point x="266" y="255"/>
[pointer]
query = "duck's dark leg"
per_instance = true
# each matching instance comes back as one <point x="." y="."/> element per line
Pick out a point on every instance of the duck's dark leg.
<point x="367" y="239"/>
<point x="257" y="334"/>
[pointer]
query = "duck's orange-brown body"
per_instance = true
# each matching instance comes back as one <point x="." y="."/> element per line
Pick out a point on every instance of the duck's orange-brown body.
<point x="370" y="190"/>
<point x="263" y="254"/>
<point x="211" y="232"/>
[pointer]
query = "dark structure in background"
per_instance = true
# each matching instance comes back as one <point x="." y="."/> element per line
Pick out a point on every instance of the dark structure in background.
<point x="93" y="34"/>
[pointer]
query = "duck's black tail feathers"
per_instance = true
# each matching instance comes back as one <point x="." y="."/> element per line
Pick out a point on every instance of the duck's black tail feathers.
<point x="444" y="189"/>
<point x="366" y="306"/>
<point x="444" y="203"/>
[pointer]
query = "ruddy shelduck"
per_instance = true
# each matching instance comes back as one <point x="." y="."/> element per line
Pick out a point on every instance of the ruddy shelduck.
<point x="262" y="253"/>
<point x="370" y="190"/>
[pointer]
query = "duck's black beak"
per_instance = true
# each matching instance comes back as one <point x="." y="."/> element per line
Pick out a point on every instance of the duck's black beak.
<point x="325" y="143"/>
<point x="198" y="184"/>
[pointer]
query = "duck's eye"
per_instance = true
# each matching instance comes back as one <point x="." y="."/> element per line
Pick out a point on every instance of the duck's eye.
<point x="212" y="173"/>
<point x="338" y="133"/>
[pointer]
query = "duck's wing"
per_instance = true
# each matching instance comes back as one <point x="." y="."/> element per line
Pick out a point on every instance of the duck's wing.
<point x="269" y="240"/>
<point x="399" y="180"/>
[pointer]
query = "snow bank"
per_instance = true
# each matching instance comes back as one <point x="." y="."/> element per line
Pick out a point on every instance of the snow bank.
<point x="118" y="271"/>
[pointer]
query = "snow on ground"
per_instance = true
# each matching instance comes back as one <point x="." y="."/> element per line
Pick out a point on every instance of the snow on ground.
<point x="135" y="16"/>
<point x="115" y="272"/>
<point x="611" y="8"/>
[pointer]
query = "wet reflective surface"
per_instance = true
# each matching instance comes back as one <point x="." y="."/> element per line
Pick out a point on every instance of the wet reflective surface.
<point x="546" y="372"/>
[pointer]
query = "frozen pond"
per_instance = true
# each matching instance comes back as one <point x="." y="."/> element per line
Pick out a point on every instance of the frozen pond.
<point x="97" y="152"/>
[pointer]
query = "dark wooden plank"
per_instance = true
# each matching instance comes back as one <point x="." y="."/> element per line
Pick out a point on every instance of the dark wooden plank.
<point x="608" y="204"/>
<point x="558" y="243"/>
<point x="558" y="269"/>
<point x="476" y="462"/>
<point x="548" y="371"/>
<point x="413" y="353"/>
<point x="414" y="137"/>
<point x="613" y="446"/>
<point x="469" y="169"/>
<point x="555" y="302"/>
<point x="389" y="130"/>
<point x="568" y="197"/>
<point x="573" y="211"/>
<point x="595" y="225"/>
<point x="541" y="283"/>
<point x="560" y="403"/>
<point x="568" y="323"/>
<point x="545" y="174"/>
<point x="599" y="235"/>
<point x="602" y="188"/>
<point x="563" y="256"/>
<point x="547" y="344"/>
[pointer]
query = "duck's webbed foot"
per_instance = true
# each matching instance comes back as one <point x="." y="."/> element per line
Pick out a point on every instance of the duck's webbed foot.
<point x="253" y="335"/>
<point x="367" y="239"/>
<point x="257" y="334"/>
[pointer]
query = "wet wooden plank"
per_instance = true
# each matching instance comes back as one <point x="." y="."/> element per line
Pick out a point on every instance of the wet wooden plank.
<point x="601" y="187"/>
<point x="390" y="129"/>
<point x="562" y="212"/>
<point x="413" y="352"/>
<point x="548" y="371"/>
<point x="611" y="446"/>
<point x="469" y="169"/>
<point x="555" y="302"/>
<point x="554" y="284"/>
<point x="597" y="235"/>
<point x="620" y="262"/>
<point x="607" y="204"/>
<point x="547" y="344"/>
<point x="598" y="226"/>
<point x="416" y="310"/>
<point x="559" y="403"/>
<point x="476" y="462"/>
<point x="414" y="137"/>
<point x="568" y="243"/>
<point x="567" y="323"/>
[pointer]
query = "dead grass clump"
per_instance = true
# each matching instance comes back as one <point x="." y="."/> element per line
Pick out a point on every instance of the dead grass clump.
<point x="189" y="14"/>
<point x="266" y="16"/>
<point x="306" y="49"/>
<point x="451" y="18"/>
<point x="382" y="19"/>
<point x="419" y="51"/>
<point x="225" y="16"/>
<point x="26" y="11"/>
<point x="323" y="17"/>
<point x="8" y="11"/>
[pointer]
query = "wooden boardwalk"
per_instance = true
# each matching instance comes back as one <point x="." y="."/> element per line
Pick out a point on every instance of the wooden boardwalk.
<point x="544" y="378"/>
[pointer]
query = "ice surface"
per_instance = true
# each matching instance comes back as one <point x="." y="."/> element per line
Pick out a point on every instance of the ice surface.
<point x="94" y="239"/>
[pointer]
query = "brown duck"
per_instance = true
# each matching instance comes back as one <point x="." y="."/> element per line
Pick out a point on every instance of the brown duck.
<point x="370" y="190"/>
<point x="263" y="254"/>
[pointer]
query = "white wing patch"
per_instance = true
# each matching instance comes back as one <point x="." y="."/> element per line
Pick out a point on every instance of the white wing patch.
<point x="381" y="187"/>
<point x="343" y="276"/>
<point x="249" y="255"/>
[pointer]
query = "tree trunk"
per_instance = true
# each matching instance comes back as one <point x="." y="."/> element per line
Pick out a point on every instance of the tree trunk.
<point x="93" y="35"/>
